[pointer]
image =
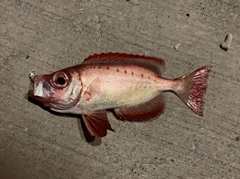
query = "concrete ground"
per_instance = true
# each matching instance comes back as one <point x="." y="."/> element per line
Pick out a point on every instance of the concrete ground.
<point x="47" y="35"/>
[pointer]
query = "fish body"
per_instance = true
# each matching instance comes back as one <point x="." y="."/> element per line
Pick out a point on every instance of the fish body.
<point x="112" y="86"/>
<point x="131" y="85"/>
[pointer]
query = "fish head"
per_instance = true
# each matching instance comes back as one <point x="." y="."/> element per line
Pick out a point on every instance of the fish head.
<point x="59" y="91"/>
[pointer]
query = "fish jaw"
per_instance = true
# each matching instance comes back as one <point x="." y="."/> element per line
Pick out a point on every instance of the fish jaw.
<point x="40" y="90"/>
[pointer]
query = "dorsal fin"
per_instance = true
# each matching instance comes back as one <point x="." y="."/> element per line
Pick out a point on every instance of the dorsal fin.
<point x="142" y="112"/>
<point x="156" y="65"/>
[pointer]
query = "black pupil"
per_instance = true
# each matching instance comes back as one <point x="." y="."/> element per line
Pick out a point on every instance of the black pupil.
<point x="61" y="80"/>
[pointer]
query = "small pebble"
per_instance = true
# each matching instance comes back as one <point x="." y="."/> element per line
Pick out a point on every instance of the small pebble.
<point x="227" y="43"/>
<point x="194" y="146"/>
<point x="177" y="46"/>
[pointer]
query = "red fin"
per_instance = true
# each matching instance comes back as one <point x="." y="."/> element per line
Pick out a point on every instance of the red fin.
<point x="195" y="85"/>
<point x="156" y="65"/>
<point x="97" y="123"/>
<point x="88" y="136"/>
<point x="142" y="112"/>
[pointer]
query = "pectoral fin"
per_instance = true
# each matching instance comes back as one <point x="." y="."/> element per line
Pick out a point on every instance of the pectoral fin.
<point x="97" y="123"/>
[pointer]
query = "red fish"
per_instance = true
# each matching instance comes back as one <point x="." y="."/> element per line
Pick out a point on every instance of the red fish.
<point x="131" y="85"/>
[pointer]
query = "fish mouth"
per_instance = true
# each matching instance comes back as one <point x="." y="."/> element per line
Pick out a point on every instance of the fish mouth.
<point x="45" y="101"/>
<point x="34" y="83"/>
<point x="42" y="100"/>
<point x="51" y="103"/>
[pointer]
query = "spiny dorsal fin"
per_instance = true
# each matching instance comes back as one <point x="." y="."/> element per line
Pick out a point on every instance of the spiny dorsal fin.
<point x="156" y="65"/>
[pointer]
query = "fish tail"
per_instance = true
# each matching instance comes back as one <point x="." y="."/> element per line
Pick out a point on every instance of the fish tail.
<point x="193" y="88"/>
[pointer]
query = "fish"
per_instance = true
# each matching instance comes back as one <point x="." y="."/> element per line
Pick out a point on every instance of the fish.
<point x="130" y="85"/>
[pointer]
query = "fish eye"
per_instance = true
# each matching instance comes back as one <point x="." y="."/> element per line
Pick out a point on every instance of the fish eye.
<point x="60" y="80"/>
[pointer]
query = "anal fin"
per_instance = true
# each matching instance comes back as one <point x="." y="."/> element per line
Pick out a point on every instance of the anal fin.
<point x="97" y="123"/>
<point x="142" y="112"/>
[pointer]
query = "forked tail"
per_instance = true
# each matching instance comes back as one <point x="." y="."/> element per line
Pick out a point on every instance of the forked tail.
<point x="193" y="88"/>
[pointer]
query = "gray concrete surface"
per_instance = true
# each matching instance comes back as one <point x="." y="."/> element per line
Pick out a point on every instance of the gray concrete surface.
<point x="47" y="35"/>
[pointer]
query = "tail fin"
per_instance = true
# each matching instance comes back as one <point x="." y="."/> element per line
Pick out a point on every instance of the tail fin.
<point x="194" y="87"/>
